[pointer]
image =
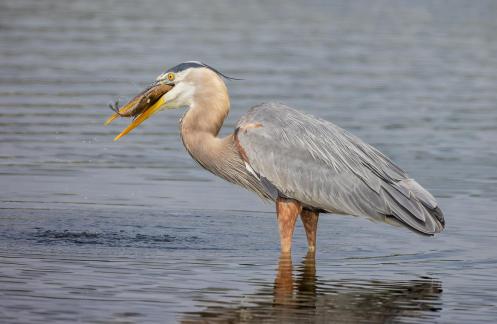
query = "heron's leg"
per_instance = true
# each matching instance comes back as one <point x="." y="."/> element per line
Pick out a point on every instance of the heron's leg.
<point x="287" y="211"/>
<point x="310" y="220"/>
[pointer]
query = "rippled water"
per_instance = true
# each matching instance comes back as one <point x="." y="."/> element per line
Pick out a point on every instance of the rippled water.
<point x="96" y="231"/>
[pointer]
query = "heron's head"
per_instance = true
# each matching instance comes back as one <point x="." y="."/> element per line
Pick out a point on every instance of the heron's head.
<point x="178" y="87"/>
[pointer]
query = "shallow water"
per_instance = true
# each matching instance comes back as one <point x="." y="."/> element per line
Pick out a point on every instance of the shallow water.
<point x="96" y="231"/>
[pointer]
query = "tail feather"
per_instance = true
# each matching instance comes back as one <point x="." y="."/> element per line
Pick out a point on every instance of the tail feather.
<point x="438" y="214"/>
<point x="413" y="206"/>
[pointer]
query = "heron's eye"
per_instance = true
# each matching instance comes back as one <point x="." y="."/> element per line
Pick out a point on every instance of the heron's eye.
<point x="170" y="76"/>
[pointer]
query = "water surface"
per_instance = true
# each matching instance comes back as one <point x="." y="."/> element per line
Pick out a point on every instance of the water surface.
<point x="96" y="231"/>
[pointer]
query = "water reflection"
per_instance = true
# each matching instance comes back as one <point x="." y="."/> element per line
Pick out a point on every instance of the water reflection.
<point x="304" y="297"/>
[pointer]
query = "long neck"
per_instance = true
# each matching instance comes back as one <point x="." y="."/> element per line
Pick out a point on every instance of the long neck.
<point x="201" y="124"/>
<point x="199" y="129"/>
<point x="206" y="114"/>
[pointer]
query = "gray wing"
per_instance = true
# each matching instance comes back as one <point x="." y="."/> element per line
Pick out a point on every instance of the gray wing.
<point x="323" y="166"/>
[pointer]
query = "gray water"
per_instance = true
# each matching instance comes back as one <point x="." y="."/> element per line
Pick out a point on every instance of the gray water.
<point x="134" y="231"/>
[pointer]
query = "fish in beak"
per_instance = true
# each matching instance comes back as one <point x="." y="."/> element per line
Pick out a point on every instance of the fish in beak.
<point x="141" y="107"/>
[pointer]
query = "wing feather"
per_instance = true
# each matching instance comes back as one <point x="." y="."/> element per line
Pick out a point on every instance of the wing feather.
<point x="323" y="166"/>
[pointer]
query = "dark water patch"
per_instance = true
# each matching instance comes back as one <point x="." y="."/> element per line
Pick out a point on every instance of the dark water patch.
<point x="110" y="239"/>
<point x="74" y="237"/>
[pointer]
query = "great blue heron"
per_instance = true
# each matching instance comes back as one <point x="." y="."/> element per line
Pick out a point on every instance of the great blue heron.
<point x="305" y="165"/>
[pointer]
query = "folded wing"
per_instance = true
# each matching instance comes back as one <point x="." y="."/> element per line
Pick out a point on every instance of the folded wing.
<point x="323" y="166"/>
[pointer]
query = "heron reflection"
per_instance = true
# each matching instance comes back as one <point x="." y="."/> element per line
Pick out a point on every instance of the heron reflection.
<point x="298" y="295"/>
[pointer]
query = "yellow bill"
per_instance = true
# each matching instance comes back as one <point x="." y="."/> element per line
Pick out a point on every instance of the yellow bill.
<point x="141" y="118"/>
